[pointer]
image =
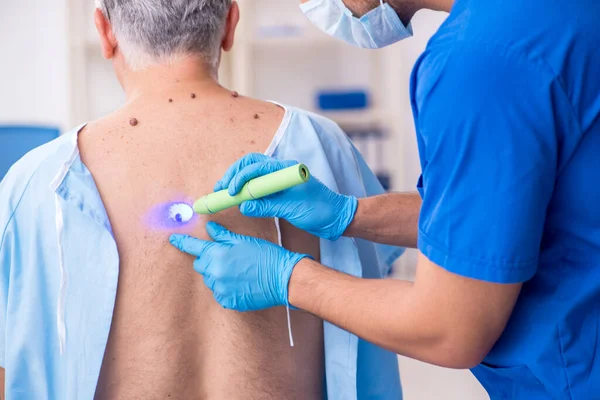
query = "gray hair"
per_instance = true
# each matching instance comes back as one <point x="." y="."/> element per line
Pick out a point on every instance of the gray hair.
<point x="162" y="31"/>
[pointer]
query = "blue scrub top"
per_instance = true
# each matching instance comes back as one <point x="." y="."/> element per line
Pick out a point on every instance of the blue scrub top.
<point x="506" y="101"/>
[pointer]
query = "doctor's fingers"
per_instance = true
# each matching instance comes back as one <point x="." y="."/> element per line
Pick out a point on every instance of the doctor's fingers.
<point x="223" y="236"/>
<point x="189" y="244"/>
<point x="267" y="207"/>
<point x="209" y="263"/>
<point x="254" y="171"/>
<point x="243" y="162"/>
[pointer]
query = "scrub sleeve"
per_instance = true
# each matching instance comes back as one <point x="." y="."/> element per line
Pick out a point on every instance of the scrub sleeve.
<point x="488" y="148"/>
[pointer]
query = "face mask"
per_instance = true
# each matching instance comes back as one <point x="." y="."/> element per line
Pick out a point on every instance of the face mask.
<point x="378" y="28"/>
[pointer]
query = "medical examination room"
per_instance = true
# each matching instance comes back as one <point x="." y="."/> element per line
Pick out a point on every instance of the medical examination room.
<point x="299" y="199"/>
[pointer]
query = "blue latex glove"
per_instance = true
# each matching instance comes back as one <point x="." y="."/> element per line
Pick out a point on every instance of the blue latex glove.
<point x="312" y="207"/>
<point x="244" y="273"/>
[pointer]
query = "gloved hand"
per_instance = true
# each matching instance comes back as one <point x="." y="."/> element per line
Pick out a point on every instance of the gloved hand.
<point x="312" y="207"/>
<point x="244" y="273"/>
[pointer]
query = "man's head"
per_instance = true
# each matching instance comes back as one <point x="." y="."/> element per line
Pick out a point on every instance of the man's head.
<point x="141" y="33"/>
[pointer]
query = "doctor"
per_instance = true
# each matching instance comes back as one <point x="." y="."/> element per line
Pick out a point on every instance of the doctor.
<point x="506" y="101"/>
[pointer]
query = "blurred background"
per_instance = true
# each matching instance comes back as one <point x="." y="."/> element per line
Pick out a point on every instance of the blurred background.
<point x="53" y="77"/>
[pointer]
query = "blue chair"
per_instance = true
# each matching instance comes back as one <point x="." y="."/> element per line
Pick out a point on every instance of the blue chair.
<point x="16" y="141"/>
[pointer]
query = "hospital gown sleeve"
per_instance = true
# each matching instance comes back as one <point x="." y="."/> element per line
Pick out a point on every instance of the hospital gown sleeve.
<point x="487" y="139"/>
<point x="387" y="255"/>
<point x="6" y="215"/>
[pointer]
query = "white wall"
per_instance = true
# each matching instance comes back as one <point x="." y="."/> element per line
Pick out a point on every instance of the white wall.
<point x="422" y="381"/>
<point x="33" y="63"/>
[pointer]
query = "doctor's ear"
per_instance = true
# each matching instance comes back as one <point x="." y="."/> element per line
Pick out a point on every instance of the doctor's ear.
<point x="108" y="41"/>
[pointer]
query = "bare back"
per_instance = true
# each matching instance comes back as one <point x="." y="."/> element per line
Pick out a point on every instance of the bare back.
<point x="169" y="338"/>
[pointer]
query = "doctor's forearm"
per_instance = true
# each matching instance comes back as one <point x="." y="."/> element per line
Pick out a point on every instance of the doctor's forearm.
<point x="389" y="313"/>
<point x="388" y="219"/>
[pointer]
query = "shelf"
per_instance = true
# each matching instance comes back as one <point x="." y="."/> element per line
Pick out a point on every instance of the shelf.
<point x="358" y="118"/>
<point x="293" y="41"/>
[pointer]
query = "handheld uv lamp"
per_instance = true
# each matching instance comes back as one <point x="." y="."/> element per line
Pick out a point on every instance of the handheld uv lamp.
<point x="253" y="190"/>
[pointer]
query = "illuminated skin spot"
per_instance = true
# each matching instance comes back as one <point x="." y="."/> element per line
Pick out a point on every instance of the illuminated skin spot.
<point x="181" y="212"/>
<point x="171" y="216"/>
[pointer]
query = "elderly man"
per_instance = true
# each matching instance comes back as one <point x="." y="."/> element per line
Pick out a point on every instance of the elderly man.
<point x="94" y="302"/>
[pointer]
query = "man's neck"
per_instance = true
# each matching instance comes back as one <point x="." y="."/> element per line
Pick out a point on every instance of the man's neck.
<point x="159" y="80"/>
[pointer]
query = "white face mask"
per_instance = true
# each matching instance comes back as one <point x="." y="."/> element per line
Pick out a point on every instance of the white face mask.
<point x="378" y="28"/>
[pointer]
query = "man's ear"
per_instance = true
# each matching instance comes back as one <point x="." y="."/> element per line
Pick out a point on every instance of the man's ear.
<point x="230" y="26"/>
<point x="108" y="41"/>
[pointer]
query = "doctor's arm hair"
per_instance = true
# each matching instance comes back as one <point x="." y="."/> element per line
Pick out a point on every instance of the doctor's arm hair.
<point x="442" y="318"/>
<point x="388" y="219"/>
